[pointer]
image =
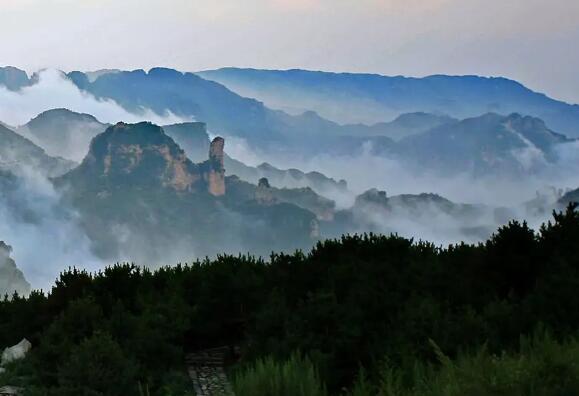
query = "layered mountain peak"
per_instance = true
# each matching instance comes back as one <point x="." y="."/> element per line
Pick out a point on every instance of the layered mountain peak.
<point x="61" y="115"/>
<point x="142" y="155"/>
<point x="63" y="133"/>
<point x="17" y="152"/>
<point x="534" y="129"/>
<point x="139" y="155"/>
<point x="495" y="143"/>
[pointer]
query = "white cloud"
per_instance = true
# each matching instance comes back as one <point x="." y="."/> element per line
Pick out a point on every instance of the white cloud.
<point x="55" y="91"/>
<point x="44" y="235"/>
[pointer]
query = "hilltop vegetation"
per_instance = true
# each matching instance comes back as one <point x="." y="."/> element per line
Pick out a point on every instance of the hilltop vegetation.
<point x="358" y="302"/>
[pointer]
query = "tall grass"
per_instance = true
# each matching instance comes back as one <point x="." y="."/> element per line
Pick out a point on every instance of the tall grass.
<point x="268" y="377"/>
<point x="542" y="367"/>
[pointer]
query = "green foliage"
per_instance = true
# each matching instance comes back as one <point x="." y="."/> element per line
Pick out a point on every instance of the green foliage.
<point x="346" y="304"/>
<point x="295" y="377"/>
<point x="541" y="366"/>
<point x="97" y="367"/>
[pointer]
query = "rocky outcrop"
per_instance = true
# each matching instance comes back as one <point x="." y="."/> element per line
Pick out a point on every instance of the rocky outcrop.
<point x="16" y="352"/>
<point x="216" y="171"/>
<point x="137" y="183"/>
<point x="11" y="278"/>
<point x="264" y="193"/>
<point x="143" y="156"/>
<point x="137" y="156"/>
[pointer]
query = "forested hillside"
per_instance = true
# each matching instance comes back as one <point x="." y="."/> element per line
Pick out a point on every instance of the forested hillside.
<point x="367" y="313"/>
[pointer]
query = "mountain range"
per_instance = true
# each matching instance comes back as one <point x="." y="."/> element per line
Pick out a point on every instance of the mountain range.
<point x="160" y="194"/>
<point x="139" y="196"/>
<point x="67" y="134"/>
<point x="63" y="133"/>
<point x="137" y="182"/>
<point x="370" y="98"/>
<point x="489" y="144"/>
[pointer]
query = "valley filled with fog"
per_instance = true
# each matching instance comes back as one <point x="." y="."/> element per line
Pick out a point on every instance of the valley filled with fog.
<point x="162" y="167"/>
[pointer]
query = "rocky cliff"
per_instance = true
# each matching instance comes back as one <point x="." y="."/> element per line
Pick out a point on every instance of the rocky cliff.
<point x="140" y="198"/>
<point x="142" y="155"/>
<point x="216" y="170"/>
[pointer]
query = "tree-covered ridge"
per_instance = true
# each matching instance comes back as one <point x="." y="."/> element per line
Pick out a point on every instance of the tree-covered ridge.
<point x="349" y="303"/>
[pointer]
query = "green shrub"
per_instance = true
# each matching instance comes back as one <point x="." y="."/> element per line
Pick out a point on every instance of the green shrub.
<point x="268" y="377"/>
<point x="542" y="367"/>
<point x="98" y="367"/>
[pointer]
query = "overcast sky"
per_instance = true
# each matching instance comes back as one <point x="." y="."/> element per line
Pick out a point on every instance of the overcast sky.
<point x="533" y="41"/>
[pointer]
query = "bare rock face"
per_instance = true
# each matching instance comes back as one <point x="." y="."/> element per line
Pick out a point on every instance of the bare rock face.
<point x="141" y="156"/>
<point x="11" y="278"/>
<point x="17" y="352"/>
<point x="138" y="155"/>
<point x="216" y="173"/>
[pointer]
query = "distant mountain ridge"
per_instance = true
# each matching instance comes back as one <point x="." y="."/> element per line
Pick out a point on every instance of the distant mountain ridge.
<point x="17" y="152"/>
<point x="370" y="98"/>
<point x="404" y="125"/>
<point x="68" y="134"/>
<point x="13" y="78"/>
<point x="308" y="135"/>
<point x="63" y="133"/>
<point x="512" y="145"/>
<point x="491" y="143"/>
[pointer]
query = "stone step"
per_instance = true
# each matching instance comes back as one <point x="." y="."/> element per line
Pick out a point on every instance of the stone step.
<point x="207" y="372"/>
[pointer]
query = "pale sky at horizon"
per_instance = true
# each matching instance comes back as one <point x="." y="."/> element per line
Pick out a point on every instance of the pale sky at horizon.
<point x="532" y="41"/>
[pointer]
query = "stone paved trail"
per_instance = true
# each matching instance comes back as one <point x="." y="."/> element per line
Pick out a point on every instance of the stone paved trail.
<point x="206" y="369"/>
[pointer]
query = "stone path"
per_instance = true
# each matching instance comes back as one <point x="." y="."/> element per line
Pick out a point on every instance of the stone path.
<point x="206" y="369"/>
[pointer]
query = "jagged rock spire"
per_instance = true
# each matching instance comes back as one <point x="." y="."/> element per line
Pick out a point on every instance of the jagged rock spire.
<point x="216" y="176"/>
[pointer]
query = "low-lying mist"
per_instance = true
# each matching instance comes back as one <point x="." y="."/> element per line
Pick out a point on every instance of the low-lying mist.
<point x="44" y="235"/>
<point x="498" y="198"/>
<point x="366" y="170"/>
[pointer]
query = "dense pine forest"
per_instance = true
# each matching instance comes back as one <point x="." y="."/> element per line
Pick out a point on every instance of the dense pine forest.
<point x="362" y="315"/>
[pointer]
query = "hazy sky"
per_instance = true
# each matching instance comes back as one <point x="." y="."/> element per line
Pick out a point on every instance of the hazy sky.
<point x="533" y="41"/>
